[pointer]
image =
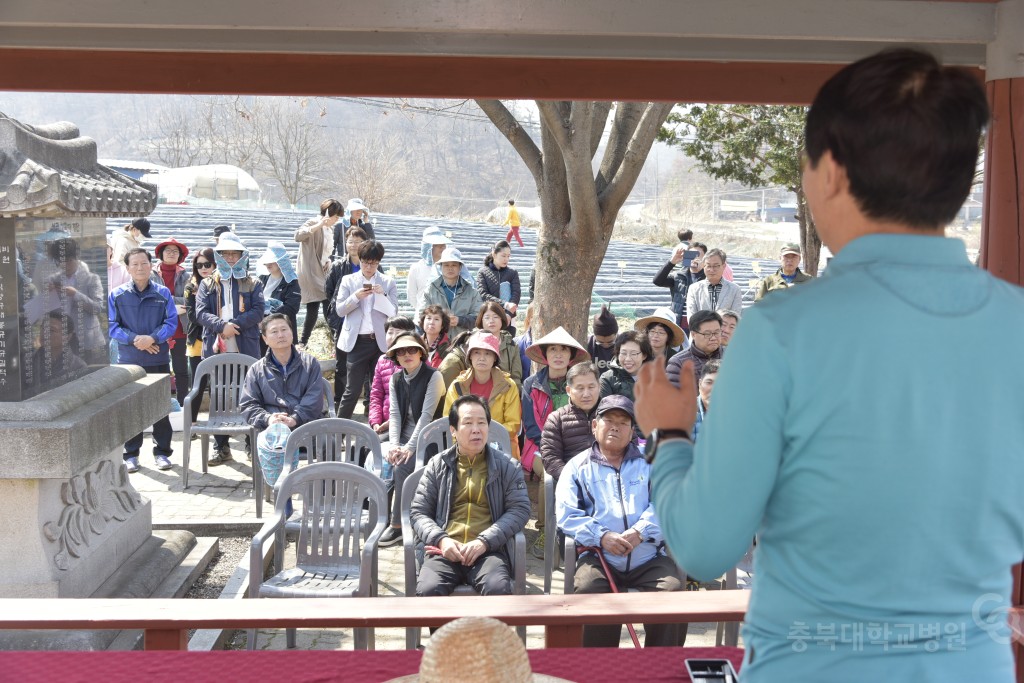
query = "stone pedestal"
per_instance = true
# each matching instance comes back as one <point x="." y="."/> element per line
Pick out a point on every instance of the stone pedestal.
<point x="71" y="516"/>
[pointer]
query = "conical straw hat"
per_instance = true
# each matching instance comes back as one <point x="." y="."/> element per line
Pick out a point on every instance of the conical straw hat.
<point x="557" y="336"/>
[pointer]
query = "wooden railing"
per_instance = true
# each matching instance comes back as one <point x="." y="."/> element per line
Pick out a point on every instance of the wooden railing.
<point x="166" y="622"/>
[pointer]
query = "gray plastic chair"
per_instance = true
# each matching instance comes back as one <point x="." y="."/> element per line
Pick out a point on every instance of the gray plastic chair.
<point x="332" y="557"/>
<point x="331" y="439"/>
<point x="437" y="433"/>
<point x="413" y="553"/>
<point x="226" y="372"/>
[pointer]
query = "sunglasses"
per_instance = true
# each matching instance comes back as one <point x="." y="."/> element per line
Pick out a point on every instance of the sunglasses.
<point x="203" y="264"/>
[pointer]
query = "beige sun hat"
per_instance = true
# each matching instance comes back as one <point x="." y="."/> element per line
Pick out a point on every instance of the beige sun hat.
<point x="557" y="336"/>
<point x="475" y="650"/>
<point x="666" y="317"/>
<point x="406" y="341"/>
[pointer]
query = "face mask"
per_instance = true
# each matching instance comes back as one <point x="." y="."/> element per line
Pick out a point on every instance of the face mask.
<point x="239" y="271"/>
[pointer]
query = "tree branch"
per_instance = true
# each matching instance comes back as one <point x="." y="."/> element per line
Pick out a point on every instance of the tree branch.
<point x="553" y="114"/>
<point x="600" y="120"/>
<point x="619" y="187"/>
<point x="524" y="145"/>
<point x="627" y="118"/>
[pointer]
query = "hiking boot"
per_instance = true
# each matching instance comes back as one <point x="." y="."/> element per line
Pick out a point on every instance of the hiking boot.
<point x="537" y="549"/>
<point x="162" y="463"/>
<point x="220" y="456"/>
<point x="390" y="537"/>
<point x="132" y="465"/>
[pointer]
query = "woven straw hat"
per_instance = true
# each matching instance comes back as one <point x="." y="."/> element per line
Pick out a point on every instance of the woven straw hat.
<point x="666" y="317"/>
<point x="558" y="336"/>
<point x="475" y="650"/>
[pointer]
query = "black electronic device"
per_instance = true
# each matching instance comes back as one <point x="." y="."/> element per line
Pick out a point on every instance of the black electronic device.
<point x="711" y="671"/>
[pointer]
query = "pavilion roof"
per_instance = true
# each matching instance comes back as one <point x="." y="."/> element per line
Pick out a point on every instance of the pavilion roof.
<point x="52" y="170"/>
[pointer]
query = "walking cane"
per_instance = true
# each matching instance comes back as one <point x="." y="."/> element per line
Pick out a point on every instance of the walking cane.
<point x="611" y="582"/>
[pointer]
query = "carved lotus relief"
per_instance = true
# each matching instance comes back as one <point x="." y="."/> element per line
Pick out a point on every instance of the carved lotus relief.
<point x="91" y="502"/>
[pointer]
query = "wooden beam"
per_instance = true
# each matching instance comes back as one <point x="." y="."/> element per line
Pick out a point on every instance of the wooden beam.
<point x="404" y="76"/>
<point x="166" y="621"/>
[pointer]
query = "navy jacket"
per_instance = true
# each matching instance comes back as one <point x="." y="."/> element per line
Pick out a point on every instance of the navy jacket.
<point x="248" y="313"/>
<point x="132" y="313"/>
<point x="297" y="391"/>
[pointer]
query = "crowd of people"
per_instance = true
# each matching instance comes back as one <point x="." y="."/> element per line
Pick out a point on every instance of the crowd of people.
<point x="874" y="507"/>
<point x="466" y="352"/>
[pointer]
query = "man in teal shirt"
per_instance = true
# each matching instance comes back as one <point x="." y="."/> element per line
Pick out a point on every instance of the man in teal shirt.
<point x="880" y="472"/>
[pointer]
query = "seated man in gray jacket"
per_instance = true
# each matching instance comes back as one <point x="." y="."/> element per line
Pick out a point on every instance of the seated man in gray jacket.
<point x="470" y="504"/>
<point x="285" y="385"/>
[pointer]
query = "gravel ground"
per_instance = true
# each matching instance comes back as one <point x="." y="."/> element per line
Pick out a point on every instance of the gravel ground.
<point x="220" y="569"/>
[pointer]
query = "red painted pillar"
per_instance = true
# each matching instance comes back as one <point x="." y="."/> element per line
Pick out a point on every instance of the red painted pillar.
<point x="1002" y="234"/>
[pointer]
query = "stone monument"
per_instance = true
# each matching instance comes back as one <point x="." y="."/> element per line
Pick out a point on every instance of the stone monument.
<point x="72" y="522"/>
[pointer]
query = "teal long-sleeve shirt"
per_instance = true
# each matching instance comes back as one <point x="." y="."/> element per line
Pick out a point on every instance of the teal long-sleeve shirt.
<point x="868" y="427"/>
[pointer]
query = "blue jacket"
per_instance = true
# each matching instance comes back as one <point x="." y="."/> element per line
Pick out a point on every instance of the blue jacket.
<point x="295" y="389"/>
<point x="875" y="508"/>
<point x="249" y="307"/>
<point x="593" y="498"/>
<point x="132" y="313"/>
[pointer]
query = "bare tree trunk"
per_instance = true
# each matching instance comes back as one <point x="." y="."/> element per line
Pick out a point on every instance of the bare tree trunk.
<point x="578" y="210"/>
<point x="810" y="242"/>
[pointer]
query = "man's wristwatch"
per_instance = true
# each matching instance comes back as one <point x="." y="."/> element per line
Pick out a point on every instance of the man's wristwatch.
<point x="656" y="436"/>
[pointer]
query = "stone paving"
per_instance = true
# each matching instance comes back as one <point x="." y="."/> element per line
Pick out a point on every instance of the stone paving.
<point x="224" y="496"/>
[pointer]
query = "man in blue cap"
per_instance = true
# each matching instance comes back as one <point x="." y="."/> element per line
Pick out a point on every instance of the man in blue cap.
<point x="603" y="502"/>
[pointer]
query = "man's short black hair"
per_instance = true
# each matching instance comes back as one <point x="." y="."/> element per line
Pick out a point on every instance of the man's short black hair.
<point x="265" y="323"/>
<point x="685" y="235"/>
<point x="399" y="322"/>
<point x="371" y="250"/>
<point x="701" y="317"/>
<point x="710" y="368"/>
<point x="906" y="130"/>
<point x="700" y="245"/>
<point x="453" y="414"/>
<point x="133" y="252"/>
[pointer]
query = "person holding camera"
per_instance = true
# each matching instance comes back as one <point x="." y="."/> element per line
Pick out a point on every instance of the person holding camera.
<point x="365" y="300"/>
<point x="691" y="272"/>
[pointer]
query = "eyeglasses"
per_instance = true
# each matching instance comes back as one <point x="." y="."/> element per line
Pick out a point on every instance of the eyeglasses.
<point x="711" y="266"/>
<point x="710" y="335"/>
<point x="203" y="264"/>
<point x="406" y="350"/>
<point x="630" y="354"/>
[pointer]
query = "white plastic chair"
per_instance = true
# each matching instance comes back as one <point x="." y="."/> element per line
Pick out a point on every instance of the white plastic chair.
<point x="332" y="557"/>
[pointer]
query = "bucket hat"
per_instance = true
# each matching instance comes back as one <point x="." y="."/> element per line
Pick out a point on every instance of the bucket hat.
<point x="182" y="249"/>
<point x="485" y="341"/>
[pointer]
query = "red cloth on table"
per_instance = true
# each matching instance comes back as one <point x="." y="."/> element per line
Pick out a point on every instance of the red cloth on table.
<point x="344" y="666"/>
